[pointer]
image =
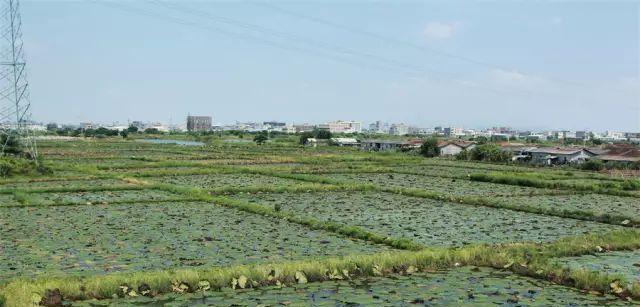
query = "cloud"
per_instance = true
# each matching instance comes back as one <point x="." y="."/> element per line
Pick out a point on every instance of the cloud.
<point x="515" y="79"/>
<point x="557" y="20"/>
<point x="441" y="30"/>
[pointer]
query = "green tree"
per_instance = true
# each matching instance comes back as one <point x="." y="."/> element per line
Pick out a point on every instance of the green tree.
<point x="430" y="148"/>
<point x="304" y="136"/>
<point x="11" y="144"/>
<point x="481" y="140"/>
<point x="322" y="134"/>
<point x="124" y="133"/>
<point x="260" y="138"/>
<point x="132" y="129"/>
<point x="489" y="152"/>
<point x="151" y="131"/>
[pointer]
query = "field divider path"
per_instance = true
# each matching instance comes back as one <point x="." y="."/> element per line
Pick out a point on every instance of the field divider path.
<point x="526" y="259"/>
<point x="628" y="221"/>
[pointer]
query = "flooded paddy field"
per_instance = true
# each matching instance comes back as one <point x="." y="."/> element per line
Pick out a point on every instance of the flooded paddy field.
<point x="126" y="223"/>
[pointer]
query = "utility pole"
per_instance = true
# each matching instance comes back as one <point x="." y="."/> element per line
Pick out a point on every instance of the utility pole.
<point x="15" y="113"/>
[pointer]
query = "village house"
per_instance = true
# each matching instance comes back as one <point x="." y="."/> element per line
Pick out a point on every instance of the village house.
<point x="560" y="155"/>
<point x="620" y="154"/>
<point x="386" y="145"/>
<point x="451" y="148"/>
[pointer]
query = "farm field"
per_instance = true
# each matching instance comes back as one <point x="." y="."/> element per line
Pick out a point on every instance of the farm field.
<point x="122" y="222"/>
<point x="597" y="203"/>
<point x="439" y="184"/>
<point x="429" y="222"/>
<point x="469" y="286"/>
<point x="624" y="263"/>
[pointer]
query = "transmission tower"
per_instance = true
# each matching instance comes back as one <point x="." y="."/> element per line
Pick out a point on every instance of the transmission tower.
<point x="15" y="105"/>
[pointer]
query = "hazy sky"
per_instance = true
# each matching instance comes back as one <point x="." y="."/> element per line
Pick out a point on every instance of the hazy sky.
<point x="570" y="65"/>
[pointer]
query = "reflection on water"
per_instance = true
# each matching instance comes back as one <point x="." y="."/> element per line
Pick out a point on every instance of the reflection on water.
<point x="177" y="142"/>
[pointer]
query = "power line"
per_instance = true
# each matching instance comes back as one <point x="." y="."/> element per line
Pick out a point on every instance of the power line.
<point x="401" y="42"/>
<point x="422" y="71"/>
<point x="329" y="52"/>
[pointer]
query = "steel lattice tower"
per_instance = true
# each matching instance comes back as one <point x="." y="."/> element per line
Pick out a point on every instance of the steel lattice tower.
<point x="14" y="89"/>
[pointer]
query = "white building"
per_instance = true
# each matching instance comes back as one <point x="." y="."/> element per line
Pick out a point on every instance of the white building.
<point x="342" y="127"/>
<point x="455" y="147"/>
<point x="399" y="129"/>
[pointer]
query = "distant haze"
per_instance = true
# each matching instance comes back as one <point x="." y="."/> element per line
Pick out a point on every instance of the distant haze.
<point x="567" y="65"/>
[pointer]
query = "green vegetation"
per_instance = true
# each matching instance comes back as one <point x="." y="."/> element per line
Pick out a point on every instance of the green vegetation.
<point x="430" y="148"/>
<point x="151" y="223"/>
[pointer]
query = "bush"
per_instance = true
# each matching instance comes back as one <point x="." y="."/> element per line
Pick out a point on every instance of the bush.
<point x="430" y="148"/>
<point x="592" y="165"/>
<point x="10" y="166"/>
<point x="304" y="136"/>
<point x="11" y="144"/>
<point x="260" y="138"/>
<point x="463" y="155"/>
<point x="490" y="153"/>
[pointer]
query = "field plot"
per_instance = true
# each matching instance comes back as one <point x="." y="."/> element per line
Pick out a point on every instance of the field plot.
<point x="221" y="181"/>
<point x="8" y="200"/>
<point x="104" y="197"/>
<point x="92" y="183"/>
<point x="441" y="185"/>
<point x="625" y="263"/>
<point x="436" y="171"/>
<point x="430" y="222"/>
<point x="464" y="286"/>
<point x="597" y="203"/>
<point x="99" y="239"/>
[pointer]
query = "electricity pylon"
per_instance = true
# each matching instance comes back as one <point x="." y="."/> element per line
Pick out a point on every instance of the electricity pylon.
<point x="15" y="105"/>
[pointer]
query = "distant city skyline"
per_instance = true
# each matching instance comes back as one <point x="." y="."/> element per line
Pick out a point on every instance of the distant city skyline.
<point x="537" y="66"/>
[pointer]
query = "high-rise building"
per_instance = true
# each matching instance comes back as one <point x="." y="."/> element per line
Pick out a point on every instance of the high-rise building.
<point x="199" y="123"/>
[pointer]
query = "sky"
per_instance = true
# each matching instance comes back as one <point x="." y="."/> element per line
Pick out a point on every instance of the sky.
<point x="534" y="65"/>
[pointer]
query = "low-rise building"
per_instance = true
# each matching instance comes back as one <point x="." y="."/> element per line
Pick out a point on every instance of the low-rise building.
<point x="560" y="155"/>
<point x="345" y="142"/>
<point x="620" y="153"/>
<point x="451" y="148"/>
<point x="386" y="145"/>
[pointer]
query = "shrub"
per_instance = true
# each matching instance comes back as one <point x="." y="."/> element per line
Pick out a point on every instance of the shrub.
<point x="489" y="152"/>
<point x="14" y="165"/>
<point x="11" y="144"/>
<point x="260" y="138"/>
<point x="592" y="165"/>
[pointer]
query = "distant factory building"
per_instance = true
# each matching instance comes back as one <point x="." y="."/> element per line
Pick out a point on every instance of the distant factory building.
<point x="199" y="123"/>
